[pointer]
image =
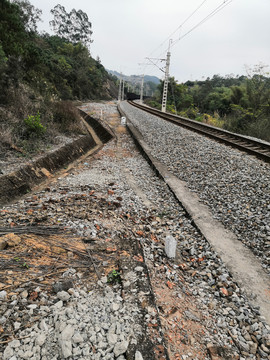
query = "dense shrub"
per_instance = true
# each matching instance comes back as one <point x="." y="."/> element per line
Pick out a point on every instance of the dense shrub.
<point x="33" y="125"/>
<point x="239" y="104"/>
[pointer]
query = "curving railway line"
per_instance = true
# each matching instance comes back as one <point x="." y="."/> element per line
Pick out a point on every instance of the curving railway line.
<point x="249" y="145"/>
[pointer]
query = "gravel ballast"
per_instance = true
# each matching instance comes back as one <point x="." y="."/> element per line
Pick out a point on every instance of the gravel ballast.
<point x="234" y="185"/>
<point x="116" y="195"/>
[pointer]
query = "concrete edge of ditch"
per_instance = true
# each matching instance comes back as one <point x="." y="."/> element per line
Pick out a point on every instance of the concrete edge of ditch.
<point x="21" y="181"/>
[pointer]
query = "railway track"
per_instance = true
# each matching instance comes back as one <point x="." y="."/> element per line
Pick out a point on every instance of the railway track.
<point x="251" y="146"/>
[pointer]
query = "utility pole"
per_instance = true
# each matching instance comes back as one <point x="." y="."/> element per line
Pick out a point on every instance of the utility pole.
<point x="166" y="80"/>
<point x="123" y="91"/>
<point x="142" y="83"/>
<point x="120" y="89"/>
<point x="141" y="97"/>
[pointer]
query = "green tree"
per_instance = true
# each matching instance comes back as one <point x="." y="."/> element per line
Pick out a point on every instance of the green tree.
<point x="29" y="15"/>
<point x="12" y="31"/>
<point x="218" y="100"/>
<point x="251" y="105"/>
<point x="178" y="97"/>
<point x="258" y="88"/>
<point x="238" y="93"/>
<point x="74" y="26"/>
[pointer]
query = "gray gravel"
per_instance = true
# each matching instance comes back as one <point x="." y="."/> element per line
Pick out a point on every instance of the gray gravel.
<point x="11" y="161"/>
<point x="73" y="322"/>
<point x="92" y="325"/>
<point x="234" y="185"/>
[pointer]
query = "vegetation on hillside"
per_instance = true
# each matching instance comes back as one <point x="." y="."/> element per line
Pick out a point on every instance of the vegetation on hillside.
<point x="240" y="104"/>
<point x="41" y="74"/>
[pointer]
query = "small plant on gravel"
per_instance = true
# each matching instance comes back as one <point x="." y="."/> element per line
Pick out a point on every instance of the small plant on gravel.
<point x="23" y="264"/>
<point x="114" y="277"/>
<point x="34" y="126"/>
<point x="163" y="213"/>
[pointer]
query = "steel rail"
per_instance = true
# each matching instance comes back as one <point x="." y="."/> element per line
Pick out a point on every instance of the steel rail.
<point x="251" y="146"/>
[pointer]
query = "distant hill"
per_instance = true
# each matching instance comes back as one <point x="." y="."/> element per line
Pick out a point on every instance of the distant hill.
<point x="153" y="79"/>
<point x="135" y="78"/>
<point x="134" y="81"/>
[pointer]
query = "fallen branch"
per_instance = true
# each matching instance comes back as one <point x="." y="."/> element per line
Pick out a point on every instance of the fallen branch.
<point x="38" y="230"/>
<point x="20" y="338"/>
<point x="91" y="258"/>
<point x="34" y="278"/>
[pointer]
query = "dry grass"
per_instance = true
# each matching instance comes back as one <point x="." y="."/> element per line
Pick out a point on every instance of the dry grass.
<point x="36" y="255"/>
<point x="59" y="118"/>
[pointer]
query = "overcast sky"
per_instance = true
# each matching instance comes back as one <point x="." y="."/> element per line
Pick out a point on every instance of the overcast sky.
<point x="125" y="32"/>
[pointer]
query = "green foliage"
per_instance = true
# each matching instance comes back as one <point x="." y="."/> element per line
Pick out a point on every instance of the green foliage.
<point x="153" y="103"/>
<point x="238" y="94"/>
<point x="250" y="113"/>
<point x="39" y="71"/>
<point x="3" y="58"/>
<point x="34" y="126"/>
<point x="55" y="66"/>
<point x="74" y="26"/>
<point x="29" y="15"/>
<point x="219" y="101"/>
<point x="239" y="104"/>
<point x="22" y="263"/>
<point x="13" y="36"/>
<point x="191" y="113"/>
<point x="68" y="70"/>
<point x="114" y="277"/>
<point x="178" y="97"/>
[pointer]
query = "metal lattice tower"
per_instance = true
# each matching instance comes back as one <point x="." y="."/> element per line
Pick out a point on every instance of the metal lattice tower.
<point x="166" y="80"/>
<point x="123" y="91"/>
<point x="141" y="97"/>
<point x="120" y="89"/>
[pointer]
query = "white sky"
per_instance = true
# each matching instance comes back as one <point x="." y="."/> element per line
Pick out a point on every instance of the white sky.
<point x="127" y="31"/>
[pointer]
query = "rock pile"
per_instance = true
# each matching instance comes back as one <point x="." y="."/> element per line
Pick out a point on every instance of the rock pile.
<point x="79" y="324"/>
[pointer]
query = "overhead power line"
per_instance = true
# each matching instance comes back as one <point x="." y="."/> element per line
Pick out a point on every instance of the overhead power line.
<point x="179" y="27"/>
<point x="155" y="63"/>
<point x="172" y="43"/>
<point x="209" y="16"/>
